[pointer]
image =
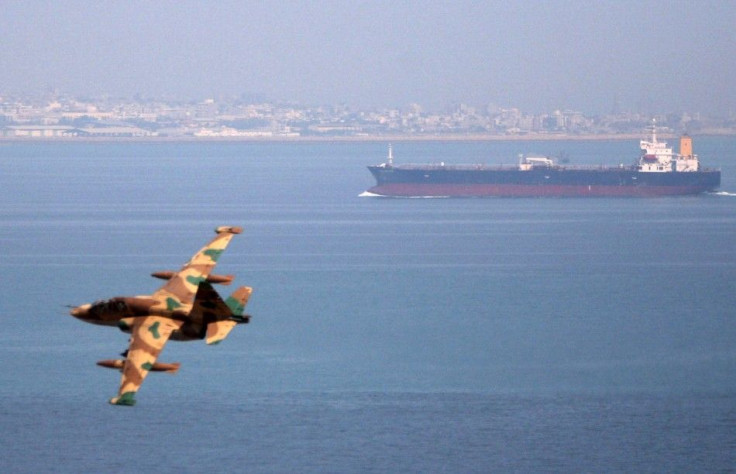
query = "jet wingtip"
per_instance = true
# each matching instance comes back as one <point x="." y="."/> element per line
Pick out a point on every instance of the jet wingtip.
<point x="126" y="399"/>
<point x="229" y="230"/>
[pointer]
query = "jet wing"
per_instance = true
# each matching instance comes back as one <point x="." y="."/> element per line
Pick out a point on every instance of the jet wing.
<point x="149" y="335"/>
<point x="181" y="288"/>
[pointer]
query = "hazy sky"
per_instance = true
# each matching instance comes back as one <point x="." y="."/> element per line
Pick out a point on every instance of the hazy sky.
<point x="648" y="55"/>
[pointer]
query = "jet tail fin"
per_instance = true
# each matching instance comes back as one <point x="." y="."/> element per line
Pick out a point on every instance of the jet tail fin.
<point x="218" y="330"/>
<point x="237" y="301"/>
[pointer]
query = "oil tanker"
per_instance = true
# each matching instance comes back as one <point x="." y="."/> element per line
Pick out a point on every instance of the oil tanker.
<point x="657" y="172"/>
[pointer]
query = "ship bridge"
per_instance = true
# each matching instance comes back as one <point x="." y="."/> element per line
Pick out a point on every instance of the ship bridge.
<point x="530" y="162"/>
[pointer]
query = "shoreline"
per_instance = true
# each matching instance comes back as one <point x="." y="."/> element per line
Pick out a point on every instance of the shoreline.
<point x="348" y="139"/>
<point x="355" y="139"/>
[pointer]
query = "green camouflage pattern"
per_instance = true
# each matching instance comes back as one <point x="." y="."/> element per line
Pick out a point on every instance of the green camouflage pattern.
<point x="185" y="308"/>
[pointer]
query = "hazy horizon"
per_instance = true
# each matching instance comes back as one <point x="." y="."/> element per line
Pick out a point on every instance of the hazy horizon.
<point x="538" y="56"/>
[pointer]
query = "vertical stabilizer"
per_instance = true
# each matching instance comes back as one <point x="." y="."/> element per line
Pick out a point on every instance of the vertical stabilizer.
<point x="237" y="301"/>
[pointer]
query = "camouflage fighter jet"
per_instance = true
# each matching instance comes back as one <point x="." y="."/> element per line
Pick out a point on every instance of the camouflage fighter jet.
<point x="185" y="308"/>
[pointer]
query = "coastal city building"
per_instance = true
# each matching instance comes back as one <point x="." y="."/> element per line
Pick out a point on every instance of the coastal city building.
<point x="59" y="116"/>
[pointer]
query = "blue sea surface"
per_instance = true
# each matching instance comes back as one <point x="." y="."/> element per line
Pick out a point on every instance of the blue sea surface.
<point x="388" y="335"/>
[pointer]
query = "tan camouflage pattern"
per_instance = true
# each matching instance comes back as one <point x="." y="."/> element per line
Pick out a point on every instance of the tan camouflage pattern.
<point x="149" y="337"/>
<point x="186" y="307"/>
<point x="180" y="289"/>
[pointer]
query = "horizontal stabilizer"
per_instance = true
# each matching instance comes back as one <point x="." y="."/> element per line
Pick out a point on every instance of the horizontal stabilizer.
<point x="218" y="330"/>
<point x="171" y="368"/>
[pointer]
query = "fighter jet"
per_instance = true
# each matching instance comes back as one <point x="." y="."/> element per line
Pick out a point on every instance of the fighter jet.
<point x="185" y="308"/>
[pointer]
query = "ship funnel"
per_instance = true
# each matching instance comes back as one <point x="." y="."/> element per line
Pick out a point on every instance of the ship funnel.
<point x="686" y="146"/>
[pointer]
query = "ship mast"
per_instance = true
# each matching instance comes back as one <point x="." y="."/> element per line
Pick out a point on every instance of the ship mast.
<point x="654" y="130"/>
<point x="390" y="158"/>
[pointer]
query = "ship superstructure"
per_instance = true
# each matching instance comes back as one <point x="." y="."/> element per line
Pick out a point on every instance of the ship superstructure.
<point x="657" y="158"/>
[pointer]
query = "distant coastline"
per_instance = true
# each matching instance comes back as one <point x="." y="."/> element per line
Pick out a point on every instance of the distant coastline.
<point x="60" y="119"/>
<point x="353" y="138"/>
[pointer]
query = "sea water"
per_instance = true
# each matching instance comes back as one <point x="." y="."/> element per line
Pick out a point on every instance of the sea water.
<point x="388" y="335"/>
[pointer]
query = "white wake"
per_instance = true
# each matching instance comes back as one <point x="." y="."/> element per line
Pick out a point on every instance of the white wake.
<point x="367" y="194"/>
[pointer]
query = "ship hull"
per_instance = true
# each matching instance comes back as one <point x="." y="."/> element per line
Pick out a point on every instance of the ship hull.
<point x="440" y="181"/>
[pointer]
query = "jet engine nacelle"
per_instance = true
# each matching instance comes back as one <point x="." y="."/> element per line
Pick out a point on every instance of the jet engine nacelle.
<point x="214" y="279"/>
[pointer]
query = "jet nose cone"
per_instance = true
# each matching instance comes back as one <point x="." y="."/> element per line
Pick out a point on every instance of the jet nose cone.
<point x="80" y="311"/>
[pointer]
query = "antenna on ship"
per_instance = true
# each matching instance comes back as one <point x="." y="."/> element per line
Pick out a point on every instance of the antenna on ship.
<point x="390" y="158"/>
<point x="654" y="130"/>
